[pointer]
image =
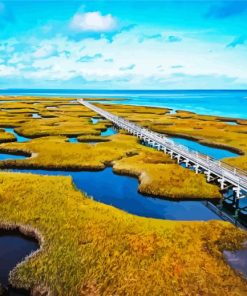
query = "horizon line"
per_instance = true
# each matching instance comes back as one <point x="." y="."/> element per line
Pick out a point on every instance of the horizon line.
<point x="139" y="89"/>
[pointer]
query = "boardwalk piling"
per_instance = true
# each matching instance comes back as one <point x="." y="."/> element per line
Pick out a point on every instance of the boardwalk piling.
<point x="228" y="177"/>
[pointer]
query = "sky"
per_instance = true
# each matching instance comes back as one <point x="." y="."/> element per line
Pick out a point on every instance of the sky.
<point x="133" y="44"/>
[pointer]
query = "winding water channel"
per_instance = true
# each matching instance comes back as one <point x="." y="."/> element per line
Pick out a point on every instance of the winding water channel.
<point x="108" y="132"/>
<point x="123" y="195"/>
<point x="19" y="138"/>
<point x="217" y="153"/>
<point x="14" y="247"/>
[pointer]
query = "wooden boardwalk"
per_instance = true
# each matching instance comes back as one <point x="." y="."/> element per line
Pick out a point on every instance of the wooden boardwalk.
<point x="227" y="177"/>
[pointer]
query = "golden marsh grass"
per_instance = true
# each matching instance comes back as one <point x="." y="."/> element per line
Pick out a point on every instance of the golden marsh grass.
<point x="93" y="249"/>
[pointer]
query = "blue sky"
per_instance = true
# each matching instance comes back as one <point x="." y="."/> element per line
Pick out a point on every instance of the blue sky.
<point x="106" y="44"/>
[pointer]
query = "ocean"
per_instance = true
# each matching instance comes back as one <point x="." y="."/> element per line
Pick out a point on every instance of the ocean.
<point x="229" y="103"/>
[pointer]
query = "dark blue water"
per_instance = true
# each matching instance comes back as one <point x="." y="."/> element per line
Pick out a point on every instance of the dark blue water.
<point x="14" y="247"/>
<point x="121" y="192"/>
<point x="19" y="138"/>
<point x="230" y="103"/>
<point x="124" y="194"/>
<point x="217" y="153"/>
<point x="238" y="260"/>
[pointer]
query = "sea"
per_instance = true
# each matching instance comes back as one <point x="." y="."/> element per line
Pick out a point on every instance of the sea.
<point x="228" y="103"/>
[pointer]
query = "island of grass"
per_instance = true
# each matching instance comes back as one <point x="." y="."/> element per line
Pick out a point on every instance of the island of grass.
<point x="88" y="248"/>
<point x="92" y="249"/>
<point x="50" y="149"/>
<point x="210" y="130"/>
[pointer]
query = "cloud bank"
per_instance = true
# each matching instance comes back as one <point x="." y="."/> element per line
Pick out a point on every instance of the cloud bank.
<point x="241" y="40"/>
<point x="93" y="22"/>
<point x="113" y="47"/>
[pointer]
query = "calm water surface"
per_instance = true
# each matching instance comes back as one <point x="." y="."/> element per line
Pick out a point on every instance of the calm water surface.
<point x="217" y="153"/>
<point x="229" y="103"/>
<point x="122" y="192"/>
<point x="36" y="115"/>
<point x="108" y="132"/>
<point x="19" y="138"/>
<point x="73" y="140"/>
<point x="238" y="260"/>
<point x="231" y="122"/>
<point x="14" y="247"/>
<point x="6" y="156"/>
<point x="94" y="120"/>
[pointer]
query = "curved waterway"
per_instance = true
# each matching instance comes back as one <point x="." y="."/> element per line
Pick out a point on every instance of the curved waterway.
<point x="7" y="156"/>
<point x="124" y="195"/>
<point x="108" y="132"/>
<point x="217" y="153"/>
<point x="14" y="247"/>
<point x="19" y="138"/>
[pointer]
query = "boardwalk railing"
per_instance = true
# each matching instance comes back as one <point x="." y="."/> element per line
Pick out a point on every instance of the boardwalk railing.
<point x="226" y="175"/>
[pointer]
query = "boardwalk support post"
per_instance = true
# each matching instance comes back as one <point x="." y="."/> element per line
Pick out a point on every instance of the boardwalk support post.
<point x="227" y="175"/>
<point x="222" y="183"/>
<point x="207" y="173"/>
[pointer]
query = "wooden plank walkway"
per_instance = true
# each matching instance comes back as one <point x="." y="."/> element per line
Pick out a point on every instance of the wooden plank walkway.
<point x="228" y="177"/>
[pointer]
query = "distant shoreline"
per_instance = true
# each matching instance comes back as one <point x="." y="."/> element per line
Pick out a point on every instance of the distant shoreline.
<point x="224" y="103"/>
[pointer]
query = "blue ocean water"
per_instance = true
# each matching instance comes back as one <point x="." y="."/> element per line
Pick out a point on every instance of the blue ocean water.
<point x="230" y="103"/>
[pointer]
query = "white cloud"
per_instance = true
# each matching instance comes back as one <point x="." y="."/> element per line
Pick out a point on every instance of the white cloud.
<point x="6" y="71"/>
<point x="126" y="68"/>
<point x="93" y="22"/>
<point x="44" y="51"/>
<point x="150" y="64"/>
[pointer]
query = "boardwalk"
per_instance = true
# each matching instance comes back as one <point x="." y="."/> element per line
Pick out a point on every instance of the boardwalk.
<point x="227" y="177"/>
